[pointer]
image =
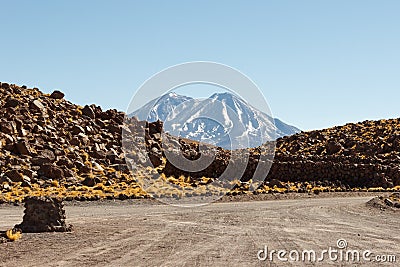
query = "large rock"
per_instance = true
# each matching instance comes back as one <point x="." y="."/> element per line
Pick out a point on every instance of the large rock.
<point x="88" y="181"/>
<point x="15" y="176"/>
<point x="5" y="85"/>
<point x="49" y="154"/>
<point x="333" y="147"/>
<point x="40" y="160"/>
<point x="57" y="94"/>
<point x="76" y="129"/>
<point x="51" y="171"/>
<point x="8" y="127"/>
<point x="88" y="111"/>
<point x="23" y="148"/>
<point x="37" y="105"/>
<point x="12" y="103"/>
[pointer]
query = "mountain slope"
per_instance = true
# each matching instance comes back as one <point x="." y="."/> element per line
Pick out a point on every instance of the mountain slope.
<point x="223" y="119"/>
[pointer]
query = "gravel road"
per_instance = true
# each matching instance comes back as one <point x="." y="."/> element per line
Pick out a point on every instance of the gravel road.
<point x="219" y="234"/>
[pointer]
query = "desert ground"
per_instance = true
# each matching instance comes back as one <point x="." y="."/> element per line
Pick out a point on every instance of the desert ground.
<point x="147" y="233"/>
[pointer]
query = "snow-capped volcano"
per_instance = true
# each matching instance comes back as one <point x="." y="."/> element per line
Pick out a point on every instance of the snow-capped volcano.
<point x="223" y="119"/>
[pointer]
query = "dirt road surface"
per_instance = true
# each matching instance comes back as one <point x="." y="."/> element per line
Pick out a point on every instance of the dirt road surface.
<point x="219" y="234"/>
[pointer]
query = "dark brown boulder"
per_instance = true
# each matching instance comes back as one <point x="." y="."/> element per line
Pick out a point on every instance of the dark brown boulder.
<point x="40" y="160"/>
<point x="7" y="127"/>
<point x="5" y="85"/>
<point x="88" y="111"/>
<point x="275" y="182"/>
<point x="88" y="181"/>
<point x="15" y="176"/>
<point x="23" y="148"/>
<point x="98" y="154"/>
<point x="12" y="103"/>
<point x="76" y="129"/>
<point x="57" y="95"/>
<point x="51" y="171"/>
<point x="333" y="147"/>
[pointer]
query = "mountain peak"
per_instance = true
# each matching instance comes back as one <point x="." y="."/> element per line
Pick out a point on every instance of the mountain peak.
<point x="195" y="119"/>
<point x="224" y="95"/>
<point x="173" y="94"/>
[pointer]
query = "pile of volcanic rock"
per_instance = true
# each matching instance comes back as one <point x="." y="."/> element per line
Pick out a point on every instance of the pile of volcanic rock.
<point x="389" y="202"/>
<point x="44" y="137"/>
<point x="44" y="214"/>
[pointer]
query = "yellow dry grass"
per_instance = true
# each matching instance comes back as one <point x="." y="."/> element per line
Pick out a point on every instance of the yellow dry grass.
<point x="13" y="235"/>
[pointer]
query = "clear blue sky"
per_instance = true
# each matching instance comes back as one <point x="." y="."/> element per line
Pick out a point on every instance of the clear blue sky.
<point x="319" y="63"/>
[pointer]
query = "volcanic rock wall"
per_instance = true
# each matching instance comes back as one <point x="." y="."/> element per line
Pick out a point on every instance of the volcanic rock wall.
<point x="365" y="154"/>
<point x="357" y="166"/>
<point x="352" y="175"/>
